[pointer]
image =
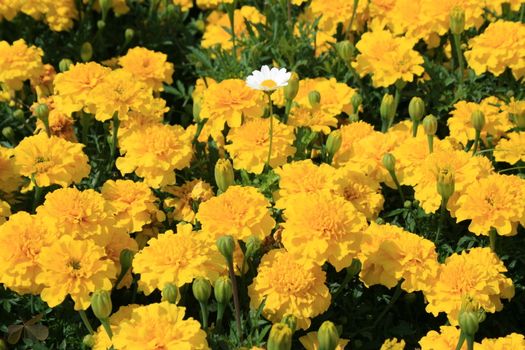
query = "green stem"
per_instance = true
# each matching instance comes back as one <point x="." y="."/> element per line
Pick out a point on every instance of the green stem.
<point x="476" y="142"/>
<point x="397" y="294"/>
<point x="430" y="139"/>
<point x="415" y="125"/>
<point x="85" y="123"/>
<point x="287" y="108"/>
<point x="204" y="315"/>
<point x="271" y="128"/>
<point x="220" y="315"/>
<point x="461" y="340"/>
<point x="456" y="38"/>
<point x="442" y="216"/>
<point x="121" y="276"/>
<point x="492" y="237"/>
<point x="398" y="186"/>
<point x="510" y="169"/>
<point x="114" y="140"/>
<point x="231" y="15"/>
<point x="85" y="320"/>
<point x="354" y="12"/>
<point x="236" y="302"/>
<point x="348" y="278"/>
<point x="470" y="343"/>
<point x="397" y="98"/>
<point x="107" y="328"/>
<point x="38" y="195"/>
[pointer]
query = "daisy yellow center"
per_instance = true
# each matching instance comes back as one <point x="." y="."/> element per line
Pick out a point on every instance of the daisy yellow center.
<point x="269" y="83"/>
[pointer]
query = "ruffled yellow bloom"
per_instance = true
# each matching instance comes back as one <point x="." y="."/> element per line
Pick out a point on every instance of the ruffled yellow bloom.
<point x="184" y="198"/>
<point x="333" y="12"/>
<point x="387" y="58"/>
<point x="118" y="241"/>
<point x="18" y="63"/>
<point x="9" y="9"/>
<point x="83" y="215"/>
<point x="101" y="338"/>
<point x="362" y="191"/>
<point x="51" y="160"/>
<point x="419" y="25"/>
<point x="439" y="12"/>
<point x="177" y="258"/>
<point x="310" y="342"/>
<point x="154" y="153"/>
<point x="251" y="141"/>
<point x="493" y="202"/>
<point x="313" y="118"/>
<point x="58" y="14"/>
<point x="159" y="326"/>
<point x="349" y="134"/>
<point x="133" y="204"/>
<point x="315" y="230"/>
<point x="9" y="177"/>
<point x="477" y="274"/>
<point x="496" y="121"/>
<point x="393" y="344"/>
<point x="389" y="253"/>
<point x="240" y="211"/>
<point x="73" y="267"/>
<point x="511" y="150"/>
<point x="147" y="66"/>
<point x="139" y="120"/>
<point x="511" y="341"/>
<point x="207" y="4"/>
<point x="446" y="339"/>
<point x="499" y="47"/>
<point x="60" y="124"/>
<point x="289" y="286"/>
<point x="5" y="211"/>
<point x="302" y="177"/>
<point x="228" y="102"/>
<point x="22" y="237"/>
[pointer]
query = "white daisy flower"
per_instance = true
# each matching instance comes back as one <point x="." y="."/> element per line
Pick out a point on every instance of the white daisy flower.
<point x="268" y="79"/>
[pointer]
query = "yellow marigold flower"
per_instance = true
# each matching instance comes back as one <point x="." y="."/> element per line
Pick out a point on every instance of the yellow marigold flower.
<point x="393" y="344"/>
<point x="200" y="87"/>
<point x="207" y="4"/>
<point x="43" y="84"/>
<point x="362" y="191"/>
<point x="155" y="152"/>
<point x="159" y="326"/>
<point x="240" y="211"/>
<point x="25" y="235"/>
<point x="289" y="286"/>
<point x="499" y="47"/>
<point x="59" y="14"/>
<point x="228" y="102"/>
<point x="149" y="67"/>
<point x="101" y="338"/>
<point x="387" y="58"/>
<point x="139" y="120"/>
<point x="250" y="144"/>
<point x="9" y="176"/>
<point x="511" y="150"/>
<point x="310" y="342"/>
<point x="493" y="202"/>
<point x="511" y="341"/>
<point x="446" y="339"/>
<point x="9" y="9"/>
<point x="118" y="241"/>
<point x="18" y="63"/>
<point x="389" y="253"/>
<point x="5" y="211"/>
<point x="51" y="160"/>
<point x="60" y="124"/>
<point x="185" y="196"/>
<point x="314" y="229"/>
<point x="83" y="215"/>
<point x="185" y="5"/>
<point x="333" y="12"/>
<point x="350" y="133"/>
<point x="477" y="274"/>
<point x="314" y="118"/>
<point x="216" y="32"/>
<point x="496" y="121"/>
<point x="74" y="267"/>
<point x="514" y="108"/>
<point x="302" y="177"/>
<point x="177" y="258"/>
<point x="439" y="12"/>
<point x="133" y="203"/>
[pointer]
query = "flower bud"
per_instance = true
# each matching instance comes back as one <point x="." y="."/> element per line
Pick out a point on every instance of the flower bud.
<point x="86" y="51"/>
<point x="196" y="111"/>
<point x="9" y="134"/>
<point x="19" y="115"/>
<point x="253" y="244"/>
<point x="129" y="34"/>
<point x="389" y="162"/>
<point x="416" y="109"/>
<point x="407" y="204"/>
<point x="356" y="101"/>
<point x="387" y="110"/>
<point x="430" y="125"/>
<point x="64" y="64"/>
<point x="126" y="259"/>
<point x="101" y="304"/>
<point x="101" y="24"/>
<point x="290" y="90"/>
<point x="226" y="246"/>
<point x="224" y="176"/>
<point x="280" y="337"/>
<point x="42" y="112"/>
<point x="88" y="342"/>
<point x="519" y="119"/>
<point x="328" y="336"/>
<point x="201" y="288"/>
<point x="290" y="321"/>
<point x="333" y="142"/>
<point x="200" y="25"/>
<point x="345" y="50"/>
<point x="469" y="322"/>
<point x="457" y="20"/>
<point x="314" y="97"/>
<point x="445" y="183"/>
<point x="223" y="290"/>
<point x="478" y="120"/>
<point x="170" y="293"/>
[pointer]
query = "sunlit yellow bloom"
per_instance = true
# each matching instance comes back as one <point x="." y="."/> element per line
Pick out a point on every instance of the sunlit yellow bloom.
<point x="101" y="338"/>
<point x="446" y="339"/>
<point x="185" y="197"/>
<point x="310" y="342"/>
<point x="350" y="133"/>
<point x="148" y="66"/>
<point x="9" y="177"/>
<point x="393" y="344"/>
<point x="511" y="341"/>
<point x="511" y="150"/>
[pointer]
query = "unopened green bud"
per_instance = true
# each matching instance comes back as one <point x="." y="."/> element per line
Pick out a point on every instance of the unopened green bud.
<point x="86" y="51"/>
<point x="224" y="176"/>
<point x="445" y="183"/>
<point x="469" y="322"/>
<point x="126" y="259"/>
<point x="328" y="336"/>
<point x="333" y="142"/>
<point x="280" y="337"/>
<point x="19" y="115"/>
<point x="223" y="290"/>
<point x="88" y="341"/>
<point x="101" y="24"/>
<point x="416" y="109"/>
<point x="430" y="125"/>
<point x="290" y="90"/>
<point x="407" y="204"/>
<point x="9" y="134"/>
<point x="314" y="97"/>
<point x="101" y="304"/>
<point x="170" y="293"/>
<point x="226" y="246"/>
<point x="253" y="245"/>
<point x="457" y="20"/>
<point x="201" y="288"/>
<point x="345" y="50"/>
<point x="42" y="112"/>
<point x="200" y="25"/>
<point x="387" y="110"/>
<point x="64" y="64"/>
<point x="129" y="34"/>
<point x="291" y="322"/>
<point x="356" y="102"/>
<point x="389" y="162"/>
<point x="478" y="120"/>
